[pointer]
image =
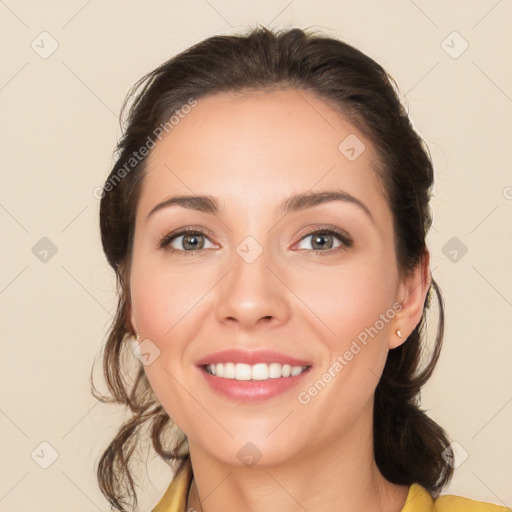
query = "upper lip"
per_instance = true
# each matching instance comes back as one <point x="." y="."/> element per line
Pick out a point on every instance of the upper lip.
<point x="250" y="357"/>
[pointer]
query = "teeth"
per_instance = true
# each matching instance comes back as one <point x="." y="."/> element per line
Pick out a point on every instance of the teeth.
<point x="229" y="370"/>
<point x="295" y="370"/>
<point x="275" y="370"/>
<point x="260" y="371"/>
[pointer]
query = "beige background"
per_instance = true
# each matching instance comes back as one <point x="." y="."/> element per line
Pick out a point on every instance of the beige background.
<point x="59" y="127"/>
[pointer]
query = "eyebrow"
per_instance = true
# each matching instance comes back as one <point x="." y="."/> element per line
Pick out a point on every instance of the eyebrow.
<point x="294" y="203"/>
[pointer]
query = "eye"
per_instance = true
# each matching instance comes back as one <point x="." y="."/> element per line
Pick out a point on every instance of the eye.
<point x="322" y="240"/>
<point x="192" y="241"/>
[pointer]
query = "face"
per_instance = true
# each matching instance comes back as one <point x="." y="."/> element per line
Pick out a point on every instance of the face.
<point x="311" y="283"/>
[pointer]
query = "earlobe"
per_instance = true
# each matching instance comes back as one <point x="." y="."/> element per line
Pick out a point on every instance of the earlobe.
<point x="415" y="288"/>
<point x="397" y="338"/>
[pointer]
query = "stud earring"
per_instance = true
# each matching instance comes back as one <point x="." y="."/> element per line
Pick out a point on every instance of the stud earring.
<point x="398" y="332"/>
<point x="137" y="337"/>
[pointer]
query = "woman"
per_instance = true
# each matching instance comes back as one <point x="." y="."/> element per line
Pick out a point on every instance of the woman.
<point x="266" y="219"/>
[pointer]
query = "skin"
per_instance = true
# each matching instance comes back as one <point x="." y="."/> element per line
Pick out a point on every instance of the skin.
<point x="251" y="152"/>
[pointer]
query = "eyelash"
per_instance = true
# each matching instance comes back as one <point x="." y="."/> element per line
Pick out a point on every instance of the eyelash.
<point x="347" y="242"/>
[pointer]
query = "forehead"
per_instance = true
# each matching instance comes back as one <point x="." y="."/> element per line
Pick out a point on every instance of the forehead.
<point x="251" y="150"/>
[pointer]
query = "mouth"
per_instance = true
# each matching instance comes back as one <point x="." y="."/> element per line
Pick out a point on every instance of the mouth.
<point x="250" y="384"/>
<point x="252" y="376"/>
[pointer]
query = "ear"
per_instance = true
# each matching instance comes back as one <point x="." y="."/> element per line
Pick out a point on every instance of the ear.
<point x="412" y="292"/>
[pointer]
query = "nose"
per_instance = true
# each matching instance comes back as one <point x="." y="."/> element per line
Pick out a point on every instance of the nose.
<point x="252" y="295"/>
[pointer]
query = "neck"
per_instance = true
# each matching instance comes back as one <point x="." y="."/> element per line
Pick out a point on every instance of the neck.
<point x="342" y="472"/>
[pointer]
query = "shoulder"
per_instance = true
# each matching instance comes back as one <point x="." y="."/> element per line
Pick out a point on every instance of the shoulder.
<point x="451" y="503"/>
<point x="420" y="500"/>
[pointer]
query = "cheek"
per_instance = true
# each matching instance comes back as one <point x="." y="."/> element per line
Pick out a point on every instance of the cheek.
<point x="163" y="305"/>
<point x="352" y="297"/>
<point x="163" y="297"/>
<point x="355" y="303"/>
<point x="167" y="303"/>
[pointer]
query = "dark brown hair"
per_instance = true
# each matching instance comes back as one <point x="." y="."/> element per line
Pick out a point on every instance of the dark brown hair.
<point x="408" y="446"/>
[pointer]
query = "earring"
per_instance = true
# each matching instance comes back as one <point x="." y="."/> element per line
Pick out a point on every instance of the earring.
<point x="398" y="332"/>
<point x="137" y="339"/>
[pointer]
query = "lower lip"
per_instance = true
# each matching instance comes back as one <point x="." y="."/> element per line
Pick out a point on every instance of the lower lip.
<point x="252" y="390"/>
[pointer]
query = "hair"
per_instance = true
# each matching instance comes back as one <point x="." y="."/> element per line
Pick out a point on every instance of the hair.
<point x="409" y="447"/>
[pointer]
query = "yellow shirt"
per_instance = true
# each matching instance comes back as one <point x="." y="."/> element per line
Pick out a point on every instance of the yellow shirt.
<point x="418" y="499"/>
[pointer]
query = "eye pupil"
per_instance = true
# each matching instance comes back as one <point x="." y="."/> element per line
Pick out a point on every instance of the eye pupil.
<point x="194" y="245"/>
<point x="319" y="237"/>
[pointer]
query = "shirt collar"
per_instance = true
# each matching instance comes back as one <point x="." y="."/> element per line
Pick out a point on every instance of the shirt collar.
<point x="175" y="497"/>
